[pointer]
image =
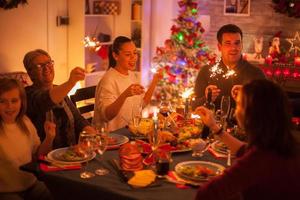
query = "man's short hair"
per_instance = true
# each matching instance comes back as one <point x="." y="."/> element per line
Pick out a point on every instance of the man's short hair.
<point x="228" y="28"/>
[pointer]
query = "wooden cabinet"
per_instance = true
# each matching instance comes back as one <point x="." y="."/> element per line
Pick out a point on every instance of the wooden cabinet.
<point x="128" y="22"/>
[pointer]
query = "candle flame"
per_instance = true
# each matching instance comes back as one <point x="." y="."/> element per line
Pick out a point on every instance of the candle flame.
<point x="155" y="111"/>
<point x="187" y="93"/>
<point x="195" y="116"/>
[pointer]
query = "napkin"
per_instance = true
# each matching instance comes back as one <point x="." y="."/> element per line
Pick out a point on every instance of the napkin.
<point x="216" y="154"/>
<point x="50" y="166"/>
<point x="180" y="183"/>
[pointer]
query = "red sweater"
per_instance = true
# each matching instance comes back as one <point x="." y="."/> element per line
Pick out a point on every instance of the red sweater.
<point x="256" y="175"/>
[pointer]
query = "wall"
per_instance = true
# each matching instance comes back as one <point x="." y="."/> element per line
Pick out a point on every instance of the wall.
<point x="262" y="20"/>
<point x="30" y="27"/>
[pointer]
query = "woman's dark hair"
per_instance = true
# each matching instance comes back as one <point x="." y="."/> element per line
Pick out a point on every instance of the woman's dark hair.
<point x="228" y="28"/>
<point x="267" y="117"/>
<point x="8" y="84"/>
<point x="116" y="47"/>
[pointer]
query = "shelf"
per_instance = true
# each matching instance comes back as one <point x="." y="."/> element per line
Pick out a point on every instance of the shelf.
<point x="106" y="43"/>
<point x="136" y="21"/>
<point x="98" y="15"/>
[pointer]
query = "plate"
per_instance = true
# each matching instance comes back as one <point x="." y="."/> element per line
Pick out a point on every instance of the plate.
<point x="116" y="140"/>
<point x="198" y="170"/>
<point x="182" y="150"/>
<point x="219" y="147"/>
<point x="57" y="156"/>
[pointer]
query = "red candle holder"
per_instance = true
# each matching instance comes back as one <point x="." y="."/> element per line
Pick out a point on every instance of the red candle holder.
<point x="297" y="61"/>
<point x="269" y="60"/>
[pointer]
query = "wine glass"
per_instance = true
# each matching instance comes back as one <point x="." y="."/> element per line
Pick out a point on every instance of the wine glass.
<point x="198" y="146"/>
<point x="136" y="115"/>
<point x="86" y="144"/>
<point x="101" y="140"/>
<point x="223" y="112"/>
<point x="165" y="108"/>
<point x="225" y="108"/>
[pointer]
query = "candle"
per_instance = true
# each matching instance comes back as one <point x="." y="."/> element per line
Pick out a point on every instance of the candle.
<point x="269" y="60"/>
<point x="297" y="61"/>
<point x="154" y="136"/>
<point x="185" y="95"/>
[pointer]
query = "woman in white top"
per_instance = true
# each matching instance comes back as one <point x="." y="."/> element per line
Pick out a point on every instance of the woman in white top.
<point x="19" y="142"/>
<point x="119" y="89"/>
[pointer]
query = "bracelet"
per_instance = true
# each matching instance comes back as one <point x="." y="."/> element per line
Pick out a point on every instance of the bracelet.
<point x="219" y="132"/>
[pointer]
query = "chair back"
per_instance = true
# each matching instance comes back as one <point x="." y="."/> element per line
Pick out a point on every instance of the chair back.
<point x="84" y="100"/>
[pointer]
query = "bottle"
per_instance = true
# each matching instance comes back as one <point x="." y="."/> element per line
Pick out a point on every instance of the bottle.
<point x="211" y="106"/>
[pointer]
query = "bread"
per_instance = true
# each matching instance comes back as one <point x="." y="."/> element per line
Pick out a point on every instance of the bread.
<point x="142" y="178"/>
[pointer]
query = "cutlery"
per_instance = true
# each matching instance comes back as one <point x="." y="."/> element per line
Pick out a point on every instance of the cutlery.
<point x="119" y="170"/>
<point x="51" y="163"/>
<point x="228" y="157"/>
<point x="169" y="179"/>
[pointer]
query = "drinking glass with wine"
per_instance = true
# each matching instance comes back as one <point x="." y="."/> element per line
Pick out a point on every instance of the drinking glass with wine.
<point x="87" y="144"/>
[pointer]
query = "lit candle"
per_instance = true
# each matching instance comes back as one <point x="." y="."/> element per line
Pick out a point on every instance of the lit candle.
<point x="185" y="95"/>
<point x="154" y="137"/>
<point x="269" y="60"/>
<point x="297" y="61"/>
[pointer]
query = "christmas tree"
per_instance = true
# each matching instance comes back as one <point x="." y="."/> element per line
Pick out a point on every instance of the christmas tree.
<point x="183" y="54"/>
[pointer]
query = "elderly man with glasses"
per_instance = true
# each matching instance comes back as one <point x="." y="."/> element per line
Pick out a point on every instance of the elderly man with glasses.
<point x="47" y="101"/>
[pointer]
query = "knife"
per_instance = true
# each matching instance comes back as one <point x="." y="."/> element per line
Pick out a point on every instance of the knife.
<point x="119" y="170"/>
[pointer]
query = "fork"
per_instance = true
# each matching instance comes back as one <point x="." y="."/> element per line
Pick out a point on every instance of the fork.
<point x="228" y="157"/>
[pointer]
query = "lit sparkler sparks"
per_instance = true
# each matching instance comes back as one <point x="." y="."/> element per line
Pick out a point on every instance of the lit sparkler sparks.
<point x="93" y="43"/>
<point x="187" y="93"/>
<point x="217" y="70"/>
<point x="229" y="73"/>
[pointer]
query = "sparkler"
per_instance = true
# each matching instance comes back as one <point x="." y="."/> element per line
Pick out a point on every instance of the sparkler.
<point x="217" y="70"/>
<point x="93" y="43"/>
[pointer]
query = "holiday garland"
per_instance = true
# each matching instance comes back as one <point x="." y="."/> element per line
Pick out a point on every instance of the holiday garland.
<point x="289" y="7"/>
<point x="9" y="4"/>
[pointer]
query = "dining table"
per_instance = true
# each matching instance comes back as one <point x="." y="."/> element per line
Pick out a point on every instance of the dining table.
<point x="67" y="184"/>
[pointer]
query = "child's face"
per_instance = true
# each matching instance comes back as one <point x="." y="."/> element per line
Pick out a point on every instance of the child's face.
<point x="10" y="105"/>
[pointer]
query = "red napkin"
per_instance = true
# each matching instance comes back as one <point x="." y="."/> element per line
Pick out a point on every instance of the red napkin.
<point x="50" y="167"/>
<point x="216" y="154"/>
<point x="172" y="176"/>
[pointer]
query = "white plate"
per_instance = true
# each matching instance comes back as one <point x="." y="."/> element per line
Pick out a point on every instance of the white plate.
<point x="216" y="168"/>
<point x="56" y="156"/>
<point x="216" y="147"/>
<point x="119" y="140"/>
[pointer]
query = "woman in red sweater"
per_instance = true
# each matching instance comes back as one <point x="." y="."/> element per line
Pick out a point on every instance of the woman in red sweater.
<point x="268" y="165"/>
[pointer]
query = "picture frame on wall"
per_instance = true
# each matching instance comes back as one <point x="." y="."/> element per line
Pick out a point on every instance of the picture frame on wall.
<point x="237" y="7"/>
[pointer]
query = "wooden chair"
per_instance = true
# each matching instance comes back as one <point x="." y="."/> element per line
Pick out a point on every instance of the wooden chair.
<point x="84" y="100"/>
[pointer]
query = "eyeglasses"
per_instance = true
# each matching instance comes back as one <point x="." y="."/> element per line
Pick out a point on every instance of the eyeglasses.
<point x="47" y="64"/>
